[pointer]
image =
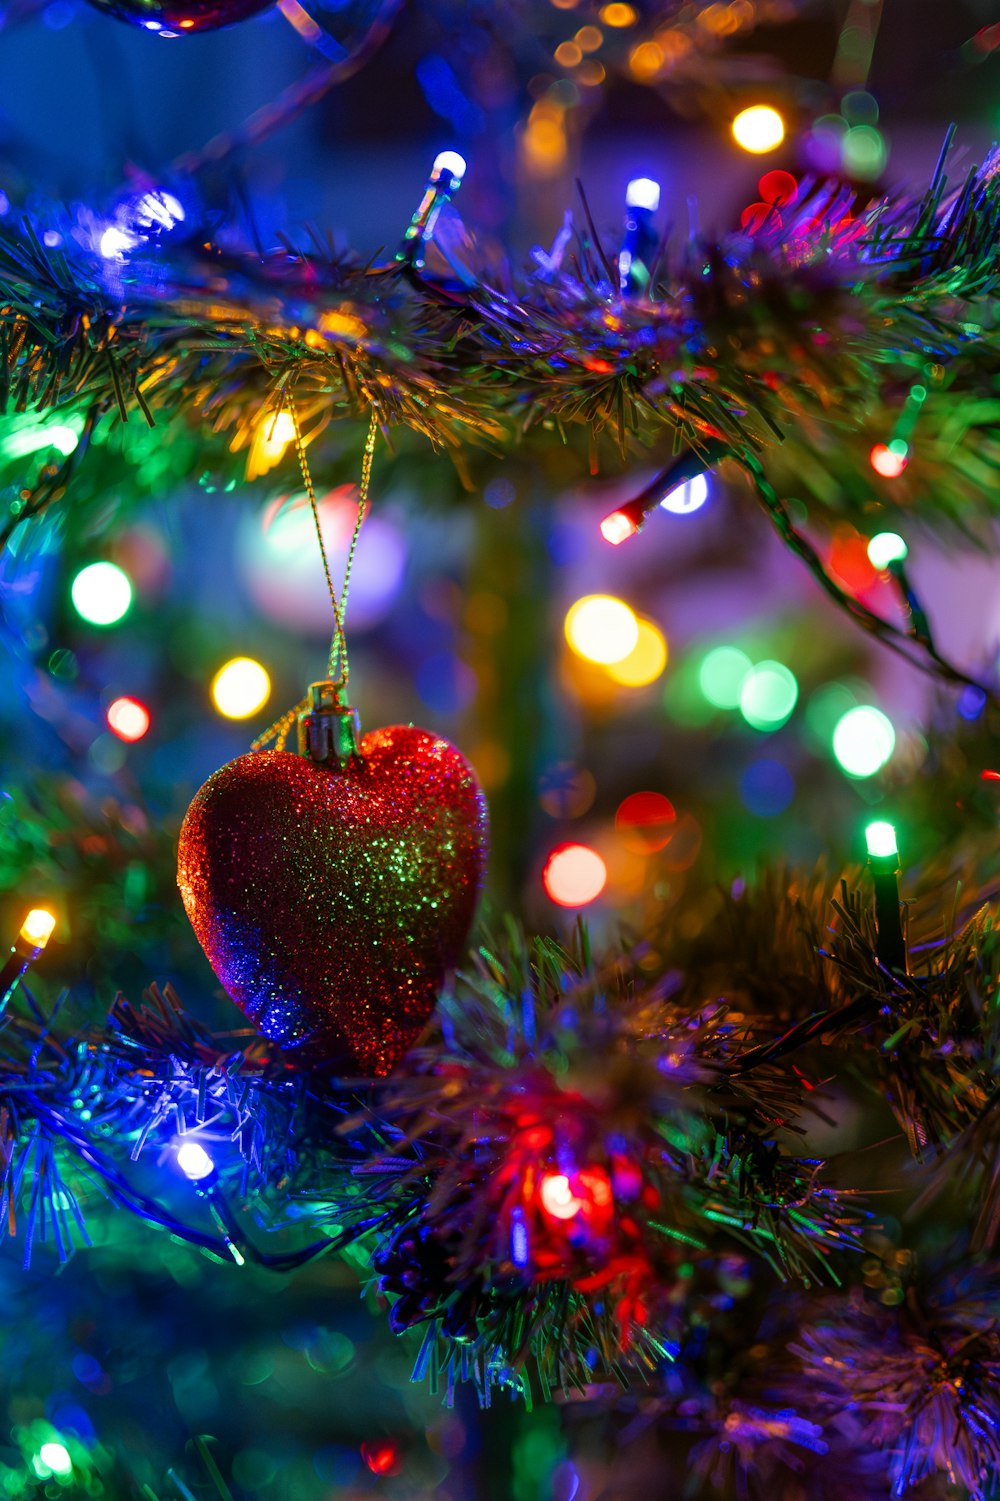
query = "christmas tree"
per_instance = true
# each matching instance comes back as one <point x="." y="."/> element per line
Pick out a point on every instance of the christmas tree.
<point x="498" y="842"/>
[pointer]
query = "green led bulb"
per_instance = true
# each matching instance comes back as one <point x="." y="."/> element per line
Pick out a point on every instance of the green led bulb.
<point x="885" y="548"/>
<point x="881" y="839"/>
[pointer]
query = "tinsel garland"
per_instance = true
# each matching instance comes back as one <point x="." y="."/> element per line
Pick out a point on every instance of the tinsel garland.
<point x="798" y="344"/>
<point x="604" y="1168"/>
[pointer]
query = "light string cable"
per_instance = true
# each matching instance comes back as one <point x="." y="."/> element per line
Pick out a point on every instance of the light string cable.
<point x="915" y="644"/>
<point x="34" y="1093"/>
<point x="338" y="663"/>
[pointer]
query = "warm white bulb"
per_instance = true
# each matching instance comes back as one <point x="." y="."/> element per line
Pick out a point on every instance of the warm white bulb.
<point x="449" y="161"/>
<point x="759" y="129"/>
<point x="643" y="192"/>
<point x="194" y="1162"/>
<point x="37" y="927"/>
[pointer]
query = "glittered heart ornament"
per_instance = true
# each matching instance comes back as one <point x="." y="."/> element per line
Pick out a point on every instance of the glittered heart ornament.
<point x="333" y="891"/>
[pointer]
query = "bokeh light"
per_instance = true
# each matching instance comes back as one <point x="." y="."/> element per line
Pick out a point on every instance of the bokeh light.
<point x="885" y="548"/>
<point x="278" y="430"/>
<point x="128" y="719"/>
<point x="888" y="460"/>
<point x="53" y="1459"/>
<point x="722" y="674"/>
<point x="445" y="683"/>
<point x="758" y="129"/>
<point x="33" y="435"/>
<point x="645" y="662"/>
<point x="279" y="561"/>
<point x="971" y="702"/>
<point x="827" y="706"/>
<point x="768" y="696"/>
<point x="114" y="242"/>
<point x="558" y="1198"/>
<point x="766" y="788"/>
<point x="864" y="152"/>
<point x="688" y="497"/>
<point x="618" y="14"/>
<point x="566" y="790"/>
<point x="863" y="741"/>
<point x="601" y="629"/>
<point x="272" y="435"/>
<point x="574" y="875"/>
<point x="382" y="1456"/>
<point x="645" y="821"/>
<point x="101" y="594"/>
<point x="849" y="561"/>
<point x="240" y="688"/>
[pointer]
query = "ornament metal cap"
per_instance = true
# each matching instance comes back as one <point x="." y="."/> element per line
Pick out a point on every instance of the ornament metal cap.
<point x="329" y="730"/>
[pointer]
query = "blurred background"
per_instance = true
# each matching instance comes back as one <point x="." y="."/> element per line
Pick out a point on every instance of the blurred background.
<point x="649" y="721"/>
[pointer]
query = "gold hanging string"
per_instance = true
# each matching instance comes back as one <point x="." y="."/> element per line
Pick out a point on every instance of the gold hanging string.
<point x="281" y="728"/>
<point x="338" y="667"/>
<point x="338" y="659"/>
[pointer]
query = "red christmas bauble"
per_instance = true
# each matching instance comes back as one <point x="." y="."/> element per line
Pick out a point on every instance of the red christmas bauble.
<point x="180" y="17"/>
<point x="333" y="901"/>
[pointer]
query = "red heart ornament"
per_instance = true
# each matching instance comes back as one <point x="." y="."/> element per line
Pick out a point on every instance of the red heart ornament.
<point x="332" y="901"/>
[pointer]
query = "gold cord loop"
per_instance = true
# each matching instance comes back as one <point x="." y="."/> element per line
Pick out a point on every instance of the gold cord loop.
<point x="338" y="666"/>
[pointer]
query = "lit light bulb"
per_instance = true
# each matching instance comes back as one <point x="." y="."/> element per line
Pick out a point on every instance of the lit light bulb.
<point x="114" y="242"/>
<point x="618" y="527"/>
<point x="128" y="719"/>
<point x="101" y="594"/>
<point x="643" y="192"/>
<point x="688" y="497"/>
<point x="54" y="1459"/>
<point x="885" y="548"/>
<point x="601" y="629"/>
<point x="880" y="838"/>
<point x="159" y="209"/>
<point x="558" y="1198"/>
<point x="194" y="1162"/>
<point x="37" y="927"/>
<point x="240" y="688"/>
<point x="758" y="129"/>
<point x="449" y="161"/>
<point x="889" y="459"/>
